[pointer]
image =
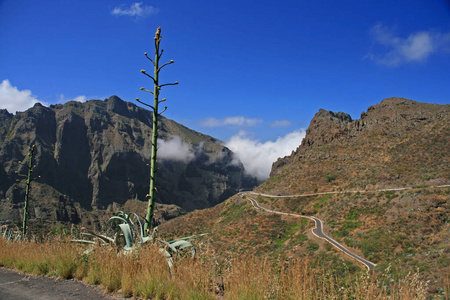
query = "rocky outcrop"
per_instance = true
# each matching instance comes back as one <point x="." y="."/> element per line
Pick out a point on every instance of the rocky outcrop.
<point x="96" y="153"/>
<point x="324" y="127"/>
<point x="396" y="140"/>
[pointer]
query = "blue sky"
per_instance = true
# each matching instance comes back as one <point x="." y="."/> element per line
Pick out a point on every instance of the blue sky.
<point x="249" y="71"/>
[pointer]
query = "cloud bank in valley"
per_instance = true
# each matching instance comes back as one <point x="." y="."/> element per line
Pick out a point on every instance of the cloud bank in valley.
<point x="258" y="157"/>
<point x="175" y="149"/>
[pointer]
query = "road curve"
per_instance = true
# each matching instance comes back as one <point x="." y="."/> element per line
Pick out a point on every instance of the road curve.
<point x="317" y="231"/>
<point x="344" y="192"/>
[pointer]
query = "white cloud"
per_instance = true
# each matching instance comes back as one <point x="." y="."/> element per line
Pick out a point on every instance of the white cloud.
<point x="281" y="123"/>
<point x="175" y="149"/>
<point x="230" y="121"/>
<point x="241" y="121"/>
<point x="417" y="47"/>
<point x="258" y="157"/>
<point x="63" y="99"/>
<point x="211" y="122"/>
<point x="14" y="100"/>
<point x="81" y="98"/>
<point x="135" y="10"/>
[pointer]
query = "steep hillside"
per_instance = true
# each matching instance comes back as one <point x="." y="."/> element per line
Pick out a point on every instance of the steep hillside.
<point x="93" y="154"/>
<point x="398" y="143"/>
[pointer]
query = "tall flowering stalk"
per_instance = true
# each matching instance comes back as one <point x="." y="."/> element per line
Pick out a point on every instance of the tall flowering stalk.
<point x="28" y="188"/>
<point x="157" y="87"/>
<point x="130" y="224"/>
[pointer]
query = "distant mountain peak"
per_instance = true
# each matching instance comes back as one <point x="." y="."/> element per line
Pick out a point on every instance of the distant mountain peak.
<point x="97" y="152"/>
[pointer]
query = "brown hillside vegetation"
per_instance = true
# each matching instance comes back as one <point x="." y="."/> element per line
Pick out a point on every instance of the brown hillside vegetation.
<point x="397" y="143"/>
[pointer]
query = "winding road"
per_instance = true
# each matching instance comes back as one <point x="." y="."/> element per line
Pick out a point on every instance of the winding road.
<point x="318" y="231"/>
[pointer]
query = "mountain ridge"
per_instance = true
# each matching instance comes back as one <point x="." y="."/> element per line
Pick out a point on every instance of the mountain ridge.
<point x="96" y="153"/>
<point x="384" y="131"/>
<point x="343" y="173"/>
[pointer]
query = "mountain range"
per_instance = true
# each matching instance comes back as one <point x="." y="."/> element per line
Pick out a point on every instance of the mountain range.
<point x="380" y="184"/>
<point x="92" y="155"/>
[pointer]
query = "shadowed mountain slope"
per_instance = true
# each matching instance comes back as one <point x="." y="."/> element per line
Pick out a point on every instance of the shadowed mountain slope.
<point x="93" y="154"/>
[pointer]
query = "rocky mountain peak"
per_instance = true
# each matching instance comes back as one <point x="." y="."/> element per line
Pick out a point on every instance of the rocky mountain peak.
<point x="5" y="115"/>
<point x="117" y="105"/>
<point x="386" y="122"/>
<point x="97" y="152"/>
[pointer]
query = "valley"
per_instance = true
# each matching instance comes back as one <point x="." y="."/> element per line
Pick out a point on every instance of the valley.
<point x="372" y="193"/>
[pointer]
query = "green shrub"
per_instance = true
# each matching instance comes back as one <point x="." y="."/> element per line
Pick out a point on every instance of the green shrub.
<point x="312" y="247"/>
<point x="330" y="177"/>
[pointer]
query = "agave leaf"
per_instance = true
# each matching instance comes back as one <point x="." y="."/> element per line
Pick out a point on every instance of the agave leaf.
<point x="122" y="219"/>
<point x="126" y="230"/>
<point x="180" y="244"/>
<point x="105" y="239"/>
<point x="172" y="248"/>
<point x="164" y="252"/>
<point x="89" y="250"/>
<point x="141" y="228"/>
<point x="83" y="241"/>
<point x="189" y="237"/>
<point x="122" y="214"/>
<point x="168" y="257"/>
<point x="125" y="219"/>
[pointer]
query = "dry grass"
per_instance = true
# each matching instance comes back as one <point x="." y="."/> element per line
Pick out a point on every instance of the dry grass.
<point x="144" y="274"/>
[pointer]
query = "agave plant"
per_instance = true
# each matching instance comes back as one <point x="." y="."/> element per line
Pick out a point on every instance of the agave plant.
<point x="155" y="108"/>
<point x="9" y="232"/>
<point x="129" y="235"/>
<point x="128" y="229"/>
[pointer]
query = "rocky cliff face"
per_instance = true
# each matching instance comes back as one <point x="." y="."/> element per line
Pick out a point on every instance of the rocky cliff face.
<point x="396" y="142"/>
<point x="96" y="153"/>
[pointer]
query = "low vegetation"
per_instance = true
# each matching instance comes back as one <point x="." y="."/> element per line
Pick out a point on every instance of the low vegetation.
<point x="406" y="229"/>
<point x="252" y="254"/>
<point x="145" y="274"/>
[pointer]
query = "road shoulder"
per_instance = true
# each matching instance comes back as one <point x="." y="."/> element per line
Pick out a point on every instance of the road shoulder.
<point x="20" y="286"/>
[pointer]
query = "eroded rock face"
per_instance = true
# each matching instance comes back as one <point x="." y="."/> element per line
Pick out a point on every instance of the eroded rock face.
<point x="396" y="142"/>
<point x="97" y="153"/>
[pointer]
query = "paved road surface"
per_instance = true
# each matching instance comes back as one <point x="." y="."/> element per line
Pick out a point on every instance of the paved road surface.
<point x="19" y="286"/>
<point x="317" y="231"/>
<point x="344" y="192"/>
